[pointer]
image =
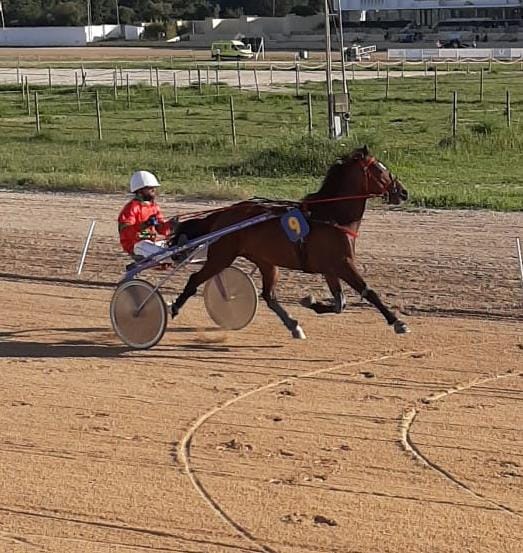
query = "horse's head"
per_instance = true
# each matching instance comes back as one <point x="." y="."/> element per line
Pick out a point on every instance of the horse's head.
<point x="376" y="179"/>
<point x="360" y="175"/>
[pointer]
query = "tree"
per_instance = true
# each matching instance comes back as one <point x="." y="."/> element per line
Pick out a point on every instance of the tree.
<point x="127" y="15"/>
<point x="67" y="13"/>
<point x="317" y="6"/>
<point x="23" y="12"/>
<point x="73" y="12"/>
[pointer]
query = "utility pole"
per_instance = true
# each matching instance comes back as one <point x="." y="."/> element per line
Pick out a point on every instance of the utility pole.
<point x="328" y="58"/>
<point x="342" y="50"/>
<point x="89" y="21"/>
<point x="343" y="69"/>
<point x="273" y="8"/>
<point x="117" y="13"/>
<point x="2" y="12"/>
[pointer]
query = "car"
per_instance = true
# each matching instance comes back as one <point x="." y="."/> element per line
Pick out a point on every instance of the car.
<point x="452" y="43"/>
<point x="231" y="49"/>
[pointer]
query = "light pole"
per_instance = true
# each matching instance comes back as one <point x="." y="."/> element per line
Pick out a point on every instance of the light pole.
<point x="328" y="59"/>
<point x="117" y="13"/>
<point x="342" y="48"/>
<point x="2" y="12"/>
<point x="89" y="21"/>
<point x="343" y="69"/>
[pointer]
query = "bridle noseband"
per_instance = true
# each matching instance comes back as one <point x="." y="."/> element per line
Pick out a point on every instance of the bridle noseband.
<point x="386" y="187"/>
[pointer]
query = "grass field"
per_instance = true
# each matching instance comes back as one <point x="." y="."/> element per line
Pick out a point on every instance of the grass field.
<point x="275" y="156"/>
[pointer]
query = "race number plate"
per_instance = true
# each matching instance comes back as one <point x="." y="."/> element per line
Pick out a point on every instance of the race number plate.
<point x="295" y="225"/>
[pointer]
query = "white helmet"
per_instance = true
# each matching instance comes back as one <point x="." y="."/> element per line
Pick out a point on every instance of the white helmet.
<point x="141" y="179"/>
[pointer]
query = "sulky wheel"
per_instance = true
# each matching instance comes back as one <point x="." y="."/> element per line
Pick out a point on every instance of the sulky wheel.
<point x="138" y="314"/>
<point x="231" y="299"/>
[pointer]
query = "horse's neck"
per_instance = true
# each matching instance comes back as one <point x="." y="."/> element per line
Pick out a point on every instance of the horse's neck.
<point x="342" y="212"/>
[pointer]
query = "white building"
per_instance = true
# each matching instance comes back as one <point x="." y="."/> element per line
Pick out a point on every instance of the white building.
<point x="430" y="12"/>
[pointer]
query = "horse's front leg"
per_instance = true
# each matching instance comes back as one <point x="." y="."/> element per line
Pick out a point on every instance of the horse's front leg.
<point x="351" y="276"/>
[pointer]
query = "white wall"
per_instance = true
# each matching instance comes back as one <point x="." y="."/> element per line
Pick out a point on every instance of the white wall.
<point x="94" y="33"/>
<point x="66" y="36"/>
<point x="43" y="36"/>
<point x="133" y="32"/>
<point x="415" y="54"/>
<point x="258" y="26"/>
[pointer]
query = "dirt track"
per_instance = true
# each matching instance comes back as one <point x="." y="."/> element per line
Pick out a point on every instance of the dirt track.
<point x="353" y="441"/>
<point x="124" y="52"/>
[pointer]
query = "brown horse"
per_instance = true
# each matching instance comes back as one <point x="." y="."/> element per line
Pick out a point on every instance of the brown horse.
<point x="334" y="213"/>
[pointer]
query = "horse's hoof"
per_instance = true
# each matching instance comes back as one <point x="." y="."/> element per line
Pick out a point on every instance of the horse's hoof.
<point x="298" y="333"/>
<point x="308" y="301"/>
<point x="401" y="328"/>
<point x="174" y="310"/>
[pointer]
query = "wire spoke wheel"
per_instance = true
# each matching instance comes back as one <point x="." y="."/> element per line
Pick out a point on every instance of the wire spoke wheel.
<point x="138" y="314"/>
<point x="231" y="299"/>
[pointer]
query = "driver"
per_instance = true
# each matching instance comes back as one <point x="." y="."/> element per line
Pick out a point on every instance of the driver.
<point x="141" y="220"/>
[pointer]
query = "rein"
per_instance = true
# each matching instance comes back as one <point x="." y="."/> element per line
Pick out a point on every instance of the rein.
<point x="195" y="214"/>
<point x="365" y="164"/>
<point x="340" y="199"/>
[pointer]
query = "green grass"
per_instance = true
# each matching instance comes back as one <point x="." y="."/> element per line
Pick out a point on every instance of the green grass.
<point x="275" y="157"/>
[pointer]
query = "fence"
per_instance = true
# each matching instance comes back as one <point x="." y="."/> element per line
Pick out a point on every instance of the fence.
<point x="472" y="54"/>
<point x="247" y="75"/>
<point x="114" y="114"/>
<point x="179" y="104"/>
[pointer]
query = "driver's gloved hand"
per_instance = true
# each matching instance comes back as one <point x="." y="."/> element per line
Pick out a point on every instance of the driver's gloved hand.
<point x="174" y="222"/>
<point x="151" y="222"/>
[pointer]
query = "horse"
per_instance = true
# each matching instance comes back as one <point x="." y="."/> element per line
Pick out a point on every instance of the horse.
<point x="334" y="215"/>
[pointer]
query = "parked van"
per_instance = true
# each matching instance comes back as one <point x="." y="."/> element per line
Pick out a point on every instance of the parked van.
<point x="231" y="49"/>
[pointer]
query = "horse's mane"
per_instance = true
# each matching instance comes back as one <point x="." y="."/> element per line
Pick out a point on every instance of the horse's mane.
<point x="332" y="178"/>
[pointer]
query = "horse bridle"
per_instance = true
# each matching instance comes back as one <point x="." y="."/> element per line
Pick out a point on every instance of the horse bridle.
<point x="387" y="187"/>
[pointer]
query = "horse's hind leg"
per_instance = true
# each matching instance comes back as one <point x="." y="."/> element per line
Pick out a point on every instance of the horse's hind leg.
<point x="351" y="276"/>
<point x="216" y="263"/>
<point x="337" y="293"/>
<point x="270" y="276"/>
<point x="340" y="301"/>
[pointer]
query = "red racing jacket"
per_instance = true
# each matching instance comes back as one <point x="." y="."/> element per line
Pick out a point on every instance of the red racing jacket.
<point x="131" y="223"/>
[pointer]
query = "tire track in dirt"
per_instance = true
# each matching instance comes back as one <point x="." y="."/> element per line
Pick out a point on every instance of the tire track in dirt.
<point x="409" y="418"/>
<point x="77" y="519"/>
<point x="487" y="314"/>
<point x="185" y="443"/>
<point x="12" y="538"/>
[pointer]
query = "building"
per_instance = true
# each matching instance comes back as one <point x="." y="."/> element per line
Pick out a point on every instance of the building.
<point x="431" y="13"/>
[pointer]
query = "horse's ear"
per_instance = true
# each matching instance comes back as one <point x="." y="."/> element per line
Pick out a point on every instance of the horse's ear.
<point x="365" y="150"/>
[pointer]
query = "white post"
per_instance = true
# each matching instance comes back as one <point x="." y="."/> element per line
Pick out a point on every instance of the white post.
<point x="518" y="244"/>
<point x="86" y="246"/>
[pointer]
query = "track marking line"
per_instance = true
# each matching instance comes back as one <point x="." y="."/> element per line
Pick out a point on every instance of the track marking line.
<point x="409" y="417"/>
<point x="185" y="444"/>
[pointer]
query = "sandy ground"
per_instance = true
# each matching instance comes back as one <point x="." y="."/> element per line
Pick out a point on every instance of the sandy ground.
<point x="283" y="73"/>
<point x="265" y="78"/>
<point x="354" y="440"/>
<point x="128" y="53"/>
